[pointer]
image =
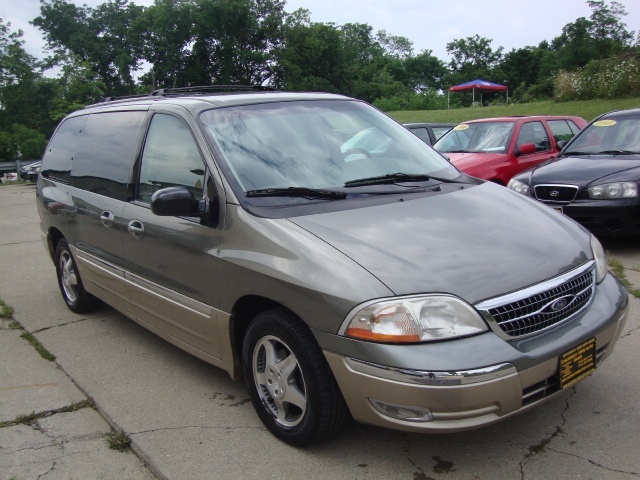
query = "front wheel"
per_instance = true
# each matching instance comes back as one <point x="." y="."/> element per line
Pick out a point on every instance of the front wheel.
<point x="289" y="381"/>
<point x="70" y="283"/>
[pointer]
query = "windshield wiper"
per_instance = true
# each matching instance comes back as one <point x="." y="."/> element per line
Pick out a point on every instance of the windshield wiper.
<point x="395" y="178"/>
<point x="297" y="192"/>
<point x="618" y="152"/>
<point x="603" y="152"/>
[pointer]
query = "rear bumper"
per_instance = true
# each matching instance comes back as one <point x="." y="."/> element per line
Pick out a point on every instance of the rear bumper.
<point x="467" y="398"/>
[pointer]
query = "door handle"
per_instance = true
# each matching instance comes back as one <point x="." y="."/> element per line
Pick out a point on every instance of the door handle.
<point x="107" y="219"/>
<point x="136" y="228"/>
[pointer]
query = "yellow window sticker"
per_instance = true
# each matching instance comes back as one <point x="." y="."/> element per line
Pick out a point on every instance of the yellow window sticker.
<point x="605" y="123"/>
<point x="462" y="126"/>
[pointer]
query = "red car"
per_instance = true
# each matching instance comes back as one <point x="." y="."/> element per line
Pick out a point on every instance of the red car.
<point x="496" y="149"/>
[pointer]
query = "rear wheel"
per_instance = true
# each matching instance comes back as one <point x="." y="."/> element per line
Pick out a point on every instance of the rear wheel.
<point x="289" y="381"/>
<point x="70" y="283"/>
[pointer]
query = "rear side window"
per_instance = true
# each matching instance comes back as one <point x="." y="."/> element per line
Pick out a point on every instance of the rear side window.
<point x="105" y="153"/>
<point x="56" y="163"/>
<point x="562" y="129"/>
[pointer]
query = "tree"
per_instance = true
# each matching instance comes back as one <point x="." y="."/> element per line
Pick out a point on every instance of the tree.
<point x="167" y="34"/>
<point x="109" y="36"/>
<point x="24" y="98"/>
<point x="473" y="58"/>
<point x="600" y="36"/>
<point x="235" y="41"/>
<point x="607" y="29"/>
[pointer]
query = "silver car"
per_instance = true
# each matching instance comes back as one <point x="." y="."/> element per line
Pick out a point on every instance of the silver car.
<point x="383" y="284"/>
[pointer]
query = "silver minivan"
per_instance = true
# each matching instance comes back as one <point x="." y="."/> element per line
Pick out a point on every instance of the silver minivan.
<point x="321" y="251"/>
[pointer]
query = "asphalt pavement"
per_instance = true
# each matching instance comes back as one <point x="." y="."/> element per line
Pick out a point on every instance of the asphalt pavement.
<point x="187" y="420"/>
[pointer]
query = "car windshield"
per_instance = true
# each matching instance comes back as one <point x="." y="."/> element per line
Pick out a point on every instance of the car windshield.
<point x="481" y="137"/>
<point x="321" y="145"/>
<point x="610" y="135"/>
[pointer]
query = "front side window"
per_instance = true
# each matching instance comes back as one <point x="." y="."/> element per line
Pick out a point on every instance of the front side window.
<point x="170" y="158"/>
<point x="481" y="137"/>
<point x="534" y="132"/>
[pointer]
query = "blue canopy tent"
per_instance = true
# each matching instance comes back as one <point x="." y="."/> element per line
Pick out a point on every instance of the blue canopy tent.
<point x="479" y="86"/>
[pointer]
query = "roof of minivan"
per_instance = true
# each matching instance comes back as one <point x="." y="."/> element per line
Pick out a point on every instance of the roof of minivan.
<point x="198" y="102"/>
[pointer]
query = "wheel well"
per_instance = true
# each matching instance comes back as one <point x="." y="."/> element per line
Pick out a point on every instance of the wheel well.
<point x="243" y="312"/>
<point x="53" y="238"/>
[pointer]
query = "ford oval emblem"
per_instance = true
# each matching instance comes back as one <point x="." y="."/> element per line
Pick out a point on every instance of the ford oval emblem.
<point x="554" y="193"/>
<point x="559" y="304"/>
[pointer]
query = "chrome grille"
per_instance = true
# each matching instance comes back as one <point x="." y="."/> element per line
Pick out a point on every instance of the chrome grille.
<point x="538" y="310"/>
<point x="556" y="193"/>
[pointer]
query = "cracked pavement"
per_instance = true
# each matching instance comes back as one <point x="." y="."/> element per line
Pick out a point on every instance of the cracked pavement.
<point x="188" y="420"/>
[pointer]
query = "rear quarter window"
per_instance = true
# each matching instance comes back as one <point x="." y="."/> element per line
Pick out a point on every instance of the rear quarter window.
<point x="563" y="129"/>
<point x="103" y="162"/>
<point x="56" y="163"/>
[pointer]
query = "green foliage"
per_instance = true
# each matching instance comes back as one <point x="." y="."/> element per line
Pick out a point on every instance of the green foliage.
<point x="44" y="353"/>
<point x="118" y="440"/>
<point x="587" y="109"/>
<point x="412" y="101"/>
<point x="100" y="50"/>
<point x="473" y="57"/>
<point x="109" y="37"/>
<point x="5" y="310"/>
<point x="615" y="78"/>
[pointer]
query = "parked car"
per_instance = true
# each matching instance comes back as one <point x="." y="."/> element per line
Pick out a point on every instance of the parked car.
<point x="392" y="287"/>
<point x="595" y="178"/>
<point x="29" y="172"/>
<point x="429" y="132"/>
<point x="496" y="149"/>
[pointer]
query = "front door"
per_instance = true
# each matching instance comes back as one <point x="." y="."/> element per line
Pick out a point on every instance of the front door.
<point x="171" y="262"/>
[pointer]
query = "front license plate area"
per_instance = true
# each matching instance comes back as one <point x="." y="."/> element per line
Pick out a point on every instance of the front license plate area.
<point x="577" y="363"/>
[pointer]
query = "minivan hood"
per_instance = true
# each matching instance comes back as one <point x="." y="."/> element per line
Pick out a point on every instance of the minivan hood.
<point x="582" y="171"/>
<point x="475" y="243"/>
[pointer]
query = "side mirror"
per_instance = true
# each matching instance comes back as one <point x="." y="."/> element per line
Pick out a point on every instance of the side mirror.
<point x="526" y="149"/>
<point x="560" y="144"/>
<point x="177" y="202"/>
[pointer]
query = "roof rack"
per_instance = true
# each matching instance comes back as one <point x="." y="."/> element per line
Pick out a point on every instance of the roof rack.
<point x="203" y="90"/>
<point x="166" y="92"/>
<point x="123" y="97"/>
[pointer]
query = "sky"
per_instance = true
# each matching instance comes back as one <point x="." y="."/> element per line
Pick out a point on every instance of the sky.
<point x="428" y="24"/>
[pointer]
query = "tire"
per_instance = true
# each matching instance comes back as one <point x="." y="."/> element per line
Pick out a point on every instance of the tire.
<point x="70" y="283"/>
<point x="289" y="381"/>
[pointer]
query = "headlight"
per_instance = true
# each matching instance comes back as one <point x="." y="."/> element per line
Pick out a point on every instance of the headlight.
<point x="614" y="190"/>
<point x="600" y="258"/>
<point x="415" y="319"/>
<point x="519" y="187"/>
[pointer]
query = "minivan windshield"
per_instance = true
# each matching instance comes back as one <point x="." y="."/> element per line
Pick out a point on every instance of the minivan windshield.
<point x="293" y="148"/>
<point x="610" y="135"/>
<point x="481" y="137"/>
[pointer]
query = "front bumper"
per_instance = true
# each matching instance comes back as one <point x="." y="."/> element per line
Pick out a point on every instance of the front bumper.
<point x="473" y="382"/>
<point x="605" y="217"/>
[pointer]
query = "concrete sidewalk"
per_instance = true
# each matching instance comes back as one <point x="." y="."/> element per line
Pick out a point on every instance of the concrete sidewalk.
<point x="52" y="429"/>
<point x="188" y="420"/>
<point x="49" y="428"/>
